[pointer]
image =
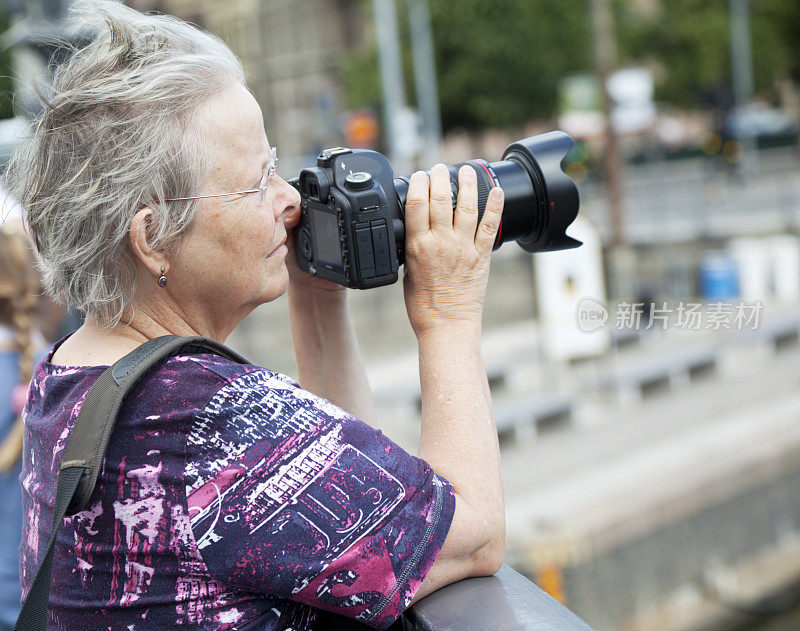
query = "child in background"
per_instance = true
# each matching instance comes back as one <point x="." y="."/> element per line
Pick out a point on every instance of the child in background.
<point x="19" y="338"/>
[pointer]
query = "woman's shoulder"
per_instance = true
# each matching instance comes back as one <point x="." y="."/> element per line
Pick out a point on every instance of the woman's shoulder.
<point x="79" y="354"/>
<point x="227" y="370"/>
<point x="186" y="380"/>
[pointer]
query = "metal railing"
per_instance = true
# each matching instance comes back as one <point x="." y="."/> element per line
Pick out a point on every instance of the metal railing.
<point x="506" y="601"/>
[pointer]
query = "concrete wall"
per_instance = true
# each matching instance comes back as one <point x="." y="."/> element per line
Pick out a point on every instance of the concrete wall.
<point x="626" y="584"/>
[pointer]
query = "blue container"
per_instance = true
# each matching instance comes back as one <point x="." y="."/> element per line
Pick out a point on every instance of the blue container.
<point x="719" y="278"/>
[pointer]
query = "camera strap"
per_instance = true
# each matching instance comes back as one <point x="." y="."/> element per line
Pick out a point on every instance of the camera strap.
<point x="86" y="448"/>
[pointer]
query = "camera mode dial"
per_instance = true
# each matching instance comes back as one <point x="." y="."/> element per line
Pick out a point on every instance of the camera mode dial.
<point x="358" y="181"/>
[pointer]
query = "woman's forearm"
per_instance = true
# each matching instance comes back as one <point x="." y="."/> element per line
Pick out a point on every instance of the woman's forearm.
<point x="458" y="435"/>
<point x="329" y="362"/>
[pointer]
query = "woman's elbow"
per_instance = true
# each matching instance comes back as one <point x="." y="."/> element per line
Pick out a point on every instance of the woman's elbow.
<point x="488" y="559"/>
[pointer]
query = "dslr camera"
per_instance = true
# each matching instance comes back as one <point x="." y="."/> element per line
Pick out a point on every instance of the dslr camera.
<point x="352" y="226"/>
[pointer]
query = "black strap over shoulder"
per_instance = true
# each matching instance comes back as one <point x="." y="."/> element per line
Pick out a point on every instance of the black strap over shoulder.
<point x="87" y="445"/>
<point x="89" y="439"/>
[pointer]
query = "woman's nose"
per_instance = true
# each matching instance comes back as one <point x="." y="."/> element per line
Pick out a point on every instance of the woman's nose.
<point x="288" y="204"/>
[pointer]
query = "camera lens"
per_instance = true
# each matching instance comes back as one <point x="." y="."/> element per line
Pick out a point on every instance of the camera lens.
<point x="541" y="201"/>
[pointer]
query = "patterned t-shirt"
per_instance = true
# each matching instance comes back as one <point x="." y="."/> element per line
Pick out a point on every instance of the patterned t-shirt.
<point x="229" y="498"/>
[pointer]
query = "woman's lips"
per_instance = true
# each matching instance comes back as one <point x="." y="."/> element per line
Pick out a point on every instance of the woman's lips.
<point x="280" y="250"/>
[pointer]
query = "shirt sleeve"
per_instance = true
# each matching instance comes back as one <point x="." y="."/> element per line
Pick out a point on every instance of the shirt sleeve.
<point x="290" y="496"/>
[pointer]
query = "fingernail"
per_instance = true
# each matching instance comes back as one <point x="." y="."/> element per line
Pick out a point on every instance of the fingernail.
<point x="496" y="193"/>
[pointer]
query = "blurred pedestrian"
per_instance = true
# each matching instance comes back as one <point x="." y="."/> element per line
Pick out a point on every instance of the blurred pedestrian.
<point x="19" y="300"/>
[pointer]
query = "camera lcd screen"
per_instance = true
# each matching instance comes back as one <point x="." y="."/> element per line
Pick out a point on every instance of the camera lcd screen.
<point x="326" y="238"/>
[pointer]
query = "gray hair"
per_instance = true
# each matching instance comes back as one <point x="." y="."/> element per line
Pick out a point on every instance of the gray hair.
<point x="117" y="135"/>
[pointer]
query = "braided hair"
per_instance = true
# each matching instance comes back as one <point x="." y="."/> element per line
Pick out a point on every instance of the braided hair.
<point x="20" y="288"/>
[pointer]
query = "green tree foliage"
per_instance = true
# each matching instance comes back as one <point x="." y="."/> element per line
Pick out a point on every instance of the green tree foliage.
<point x="685" y="41"/>
<point x="499" y="63"/>
<point x="6" y="84"/>
<point x="688" y="43"/>
<point x="779" y="19"/>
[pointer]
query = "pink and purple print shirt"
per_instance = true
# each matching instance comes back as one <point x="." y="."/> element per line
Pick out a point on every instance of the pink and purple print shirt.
<point x="229" y="498"/>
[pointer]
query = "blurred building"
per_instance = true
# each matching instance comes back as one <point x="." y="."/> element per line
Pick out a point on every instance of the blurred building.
<point x="290" y="51"/>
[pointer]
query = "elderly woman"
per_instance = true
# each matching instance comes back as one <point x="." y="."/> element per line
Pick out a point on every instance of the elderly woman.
<point x="232" y="497"/>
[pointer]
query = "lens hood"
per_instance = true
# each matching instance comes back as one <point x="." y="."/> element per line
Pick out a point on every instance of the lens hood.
<point x="557" y="196"/>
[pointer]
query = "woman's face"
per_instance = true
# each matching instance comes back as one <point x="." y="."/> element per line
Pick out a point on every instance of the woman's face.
<point x="232" y="258"/>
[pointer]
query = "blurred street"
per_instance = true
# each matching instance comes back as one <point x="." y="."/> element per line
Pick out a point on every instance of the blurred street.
<point x="703" y="199"/>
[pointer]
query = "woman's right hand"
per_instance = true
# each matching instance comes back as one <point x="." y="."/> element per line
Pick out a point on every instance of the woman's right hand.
<point x="447" y="259"/>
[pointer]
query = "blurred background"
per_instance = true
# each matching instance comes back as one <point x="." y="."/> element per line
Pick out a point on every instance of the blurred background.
<point x="645" y="384"/>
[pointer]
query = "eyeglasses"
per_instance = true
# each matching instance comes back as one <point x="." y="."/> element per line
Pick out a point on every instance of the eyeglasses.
<point x="262" y="188"/>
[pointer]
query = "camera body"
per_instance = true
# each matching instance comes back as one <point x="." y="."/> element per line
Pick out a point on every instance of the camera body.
<point x="352" y="228"/>
<point x="350" y="224"/>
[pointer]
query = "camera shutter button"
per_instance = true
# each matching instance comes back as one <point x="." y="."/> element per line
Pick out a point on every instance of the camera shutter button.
<point x="358" y="181"/>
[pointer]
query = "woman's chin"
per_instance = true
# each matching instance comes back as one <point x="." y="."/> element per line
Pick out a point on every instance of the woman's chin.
<point x="276" y="284"/>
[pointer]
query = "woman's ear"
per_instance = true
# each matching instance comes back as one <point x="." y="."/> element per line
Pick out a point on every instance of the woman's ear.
<point x="138" y="232"/>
